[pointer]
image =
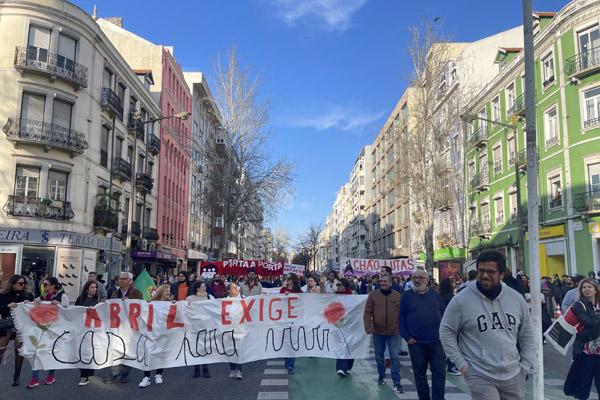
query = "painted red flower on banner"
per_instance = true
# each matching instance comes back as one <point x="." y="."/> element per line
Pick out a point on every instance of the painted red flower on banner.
<point x="334" y="313"/>
<point x="44" y="314"/>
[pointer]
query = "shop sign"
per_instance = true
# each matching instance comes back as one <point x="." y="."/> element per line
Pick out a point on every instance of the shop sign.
<point x="446" y="253"/>
<point x="551" y="231"/>
<point x="196" y="255"/>
<point x="46" y="237"/>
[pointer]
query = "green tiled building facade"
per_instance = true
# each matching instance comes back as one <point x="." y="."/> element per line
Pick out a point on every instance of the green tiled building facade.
<point x="567" y="81"/>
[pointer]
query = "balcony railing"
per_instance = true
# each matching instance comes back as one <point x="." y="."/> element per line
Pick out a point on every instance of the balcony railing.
<point x="482" y="229"/>
<point x="143" y="182"/>
<point x="150" y="233"/>
<point x="588" y="202"/>
<point x="497" y="167"/>
<point x="480" y="181"/>
<point x="50" y="135"/>
<point x="153" y="144"/>
<point x="552" y="141"/>
<point x="105" y="219"/>
<point x="38" y="59"/>
<point x="111" y="103"/>
<point x="121" y="169"/>
<point x="479" y="137"/>
<point x="500" y="217"/>
<point x="135" y="126"/>
<point x="583" y="63"/>
<point x="556" y="203"/>
<point x="22" y="206"/>
<point x="136" y="230"/>
<point x="591" y="122"/>
<point x="518" y="107"/>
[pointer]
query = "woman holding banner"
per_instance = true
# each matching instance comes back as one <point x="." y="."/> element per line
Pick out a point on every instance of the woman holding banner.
<point x="586" y="349"/>
<point x="53" y="293"/>
<point x="163" y="293"/>
<point x="200" y="293"/>
<point x="291" y="285"/>
<point x="89" y="297"/>
<point x="13" y="292"/>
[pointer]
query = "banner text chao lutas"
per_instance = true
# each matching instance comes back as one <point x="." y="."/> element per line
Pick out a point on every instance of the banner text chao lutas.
<point x="163" y="334"/>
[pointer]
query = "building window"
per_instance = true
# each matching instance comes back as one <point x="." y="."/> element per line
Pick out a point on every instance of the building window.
<point x="555" y="195"/>
<point x="499" y="206"/>
<point x="551" y="127"/>
<point x="496" y="109"/>
<point x="594" y="178"/>
<point x="548" y="70"/>
<point x="32" y="107"/>
<point x="104" y="147"/>
<point x="588" y="41"/>
<point x="497" y="154"/>
<point x="67" y="52"/>
<point x="38" y="44"/>
<point x="26" y="184"/>
<point x="121" y="94"/>
<point x="57" y="185"/>
<point x="514" y="207"/>
<point x="61" y="114"/>
<point x="510" y="96"/>
<point x="485" y="214"/>
<point x="592" y="107"/>
<point x="512" y="150"/>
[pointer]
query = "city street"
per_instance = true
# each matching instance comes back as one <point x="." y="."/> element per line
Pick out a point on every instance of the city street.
<point x="314" y="379"/>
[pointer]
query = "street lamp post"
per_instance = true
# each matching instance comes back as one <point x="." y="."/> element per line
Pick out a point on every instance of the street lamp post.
<point x="137" y="116"/>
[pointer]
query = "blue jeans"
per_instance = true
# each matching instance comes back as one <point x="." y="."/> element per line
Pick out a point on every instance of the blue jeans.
<point x="290" y="363"/>
<point x="344" y="364"/>
<point x="432" y="354"/>
<point x="393" y="344"/>
<point x="35" y="374"/>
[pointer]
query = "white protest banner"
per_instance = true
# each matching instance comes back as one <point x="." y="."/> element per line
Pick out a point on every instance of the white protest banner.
<point x="273" y="290"/>
<point x="363" y="266"/>
<point x="293" y="269"/>
<point x="162" y="334"/>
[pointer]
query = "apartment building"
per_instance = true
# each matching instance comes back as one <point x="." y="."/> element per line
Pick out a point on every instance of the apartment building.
<point x="78" y="146"/>
<point x="567" y="83"/>
<point x="173" y="95"/>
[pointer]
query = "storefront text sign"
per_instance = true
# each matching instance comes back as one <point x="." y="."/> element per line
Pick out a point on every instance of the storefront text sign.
<point x="46" y="237"/>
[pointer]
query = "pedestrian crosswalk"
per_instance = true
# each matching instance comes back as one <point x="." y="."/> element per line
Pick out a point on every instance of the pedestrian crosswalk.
<point x="274" y="386"/>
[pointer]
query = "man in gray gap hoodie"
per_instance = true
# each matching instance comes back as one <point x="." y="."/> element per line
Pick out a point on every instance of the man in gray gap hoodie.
<point x="480" y="330"/>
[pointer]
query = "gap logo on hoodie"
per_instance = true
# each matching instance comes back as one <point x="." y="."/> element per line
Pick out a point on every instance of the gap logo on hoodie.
<point x="484" y="323"/>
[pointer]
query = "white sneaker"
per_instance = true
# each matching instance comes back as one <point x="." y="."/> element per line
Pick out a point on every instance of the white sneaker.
<point x="158" y="379"/>
<point x="145" y="382"/>
<point x="238" y="375"/>
<point x="341" y="373"/>
<point x="232" y="373"/>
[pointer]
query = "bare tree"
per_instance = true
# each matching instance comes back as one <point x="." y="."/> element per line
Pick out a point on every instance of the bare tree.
<point x="281" y="244"/>
<point x="427" y="171"/>
<point x="308" y="244"/>
<point x="245" y="184"/>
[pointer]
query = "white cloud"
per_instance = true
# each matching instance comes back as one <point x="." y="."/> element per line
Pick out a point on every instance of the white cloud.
<point x="339" y="118"/>
<point x="336" y="14"/>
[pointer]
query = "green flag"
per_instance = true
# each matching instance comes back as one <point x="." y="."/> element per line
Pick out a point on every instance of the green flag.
<point x="145" y="284"/>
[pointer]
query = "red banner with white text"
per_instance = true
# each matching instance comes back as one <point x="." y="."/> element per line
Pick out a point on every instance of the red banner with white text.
<point x="241" y="267"/>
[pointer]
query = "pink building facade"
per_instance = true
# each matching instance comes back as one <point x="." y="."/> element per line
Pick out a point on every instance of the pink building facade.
<point x="174" y="165"/>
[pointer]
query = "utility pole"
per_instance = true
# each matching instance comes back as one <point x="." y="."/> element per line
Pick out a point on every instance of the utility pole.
<point x="533" y="200"/>
<point x="110" y="199"/>
<point x="520" y="219"/>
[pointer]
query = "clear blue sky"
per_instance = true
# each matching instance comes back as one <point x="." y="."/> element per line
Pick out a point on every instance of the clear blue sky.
<point x="333" y="69"/>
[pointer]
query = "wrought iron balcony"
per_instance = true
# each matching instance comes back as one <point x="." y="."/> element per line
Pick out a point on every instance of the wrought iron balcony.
<point x="518" y="107"/>
<point x="500" y="217"/>
<point x="483" y="229"/>
<point x="590" y="123"/>
<point x="121" y="169"/>
<point x="479" y="137"/>
<point x="552" y="141"/>
<point x="556" y="202"/>
<point x="22" y="206"/>
<point x="143" y="182"/>
<point x="135" y="126"/>
<point x="49" y="135"/>
<point x="111" y="103"/>
<point x="153" y="144"/>
<point x="497" y="167"/>
<point x="480" y="182"/>
<point x="136" y="230"/>
<point x="105" y="219"/>
<point x="584" y="63"/>
<point x="150" y="233"/>
<point x="37" y="59"/>
<point x="587" y="203"/>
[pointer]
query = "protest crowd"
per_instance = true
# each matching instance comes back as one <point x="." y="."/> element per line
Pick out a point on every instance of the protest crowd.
<point x="477" y="326"/>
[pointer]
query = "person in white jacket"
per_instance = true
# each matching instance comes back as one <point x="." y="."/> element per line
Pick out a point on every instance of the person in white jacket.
<point x="480" y="330"/>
